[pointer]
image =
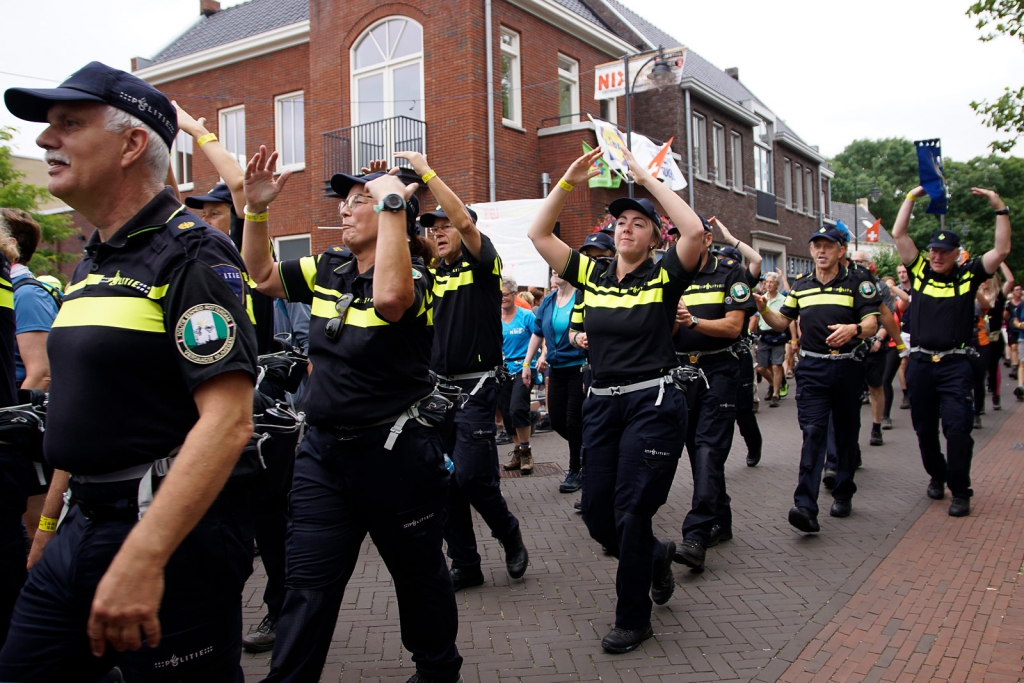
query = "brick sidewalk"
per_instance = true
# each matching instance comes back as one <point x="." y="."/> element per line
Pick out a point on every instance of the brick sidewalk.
<point x="762" y="601"/>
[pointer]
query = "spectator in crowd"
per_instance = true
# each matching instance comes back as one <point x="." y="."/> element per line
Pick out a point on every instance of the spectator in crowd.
<point x="517" y="323"/>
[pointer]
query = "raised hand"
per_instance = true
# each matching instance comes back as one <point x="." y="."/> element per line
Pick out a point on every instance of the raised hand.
<point x="993" y="199"/>
<point x="376" y="166"/>
<point x="194" y="127"/>
<point x="581" y="170"/>
<point x="388" y="184"/>
<point x="639" y="174"/>
<point x="417" y="160"/>
<point x="261" y="187"/>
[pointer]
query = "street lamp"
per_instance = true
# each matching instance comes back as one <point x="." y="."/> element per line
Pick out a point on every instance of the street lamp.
<point x="874" y="195"/>
<point x="660" y="75"/>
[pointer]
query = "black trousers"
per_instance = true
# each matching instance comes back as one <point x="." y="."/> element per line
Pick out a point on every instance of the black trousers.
<point x="892" y="368"/>
<point x="16" y="477"/>
<point x="746" y="418"/>
<point x="345" y="486"/>
<point x="632" y="448"/>
<point x="827" y="389"/>
<point x="468" y="438"/>
<point x="995" y="362"/>
<point x="200" y="613"/>
<point x="565" y="408"/>
<point x="943" y="391"/>
<point x="979" y="364"/>
<point x="514" y="402"/>
<point x="710" y="427"/>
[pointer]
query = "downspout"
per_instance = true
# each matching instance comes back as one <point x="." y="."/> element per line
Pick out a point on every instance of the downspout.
<point x="489" y="45"/>
<point x="689" y="149"/>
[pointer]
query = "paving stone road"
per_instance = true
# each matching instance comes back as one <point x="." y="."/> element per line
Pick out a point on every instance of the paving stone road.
<point x="762" y="600"/>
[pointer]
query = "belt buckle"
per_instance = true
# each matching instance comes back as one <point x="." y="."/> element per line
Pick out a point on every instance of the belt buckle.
<point x="615" y="391"/>
<point x="834" y="352"/>
<point x="936" y="358"/>
<point x="693" y="358"/>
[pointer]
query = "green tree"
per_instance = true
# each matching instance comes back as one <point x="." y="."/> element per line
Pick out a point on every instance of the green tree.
<point x="15" y="194"/>
<point x="1006" y="114"/>
<point x="886" y="261"/>
<point x="890" y="163"/>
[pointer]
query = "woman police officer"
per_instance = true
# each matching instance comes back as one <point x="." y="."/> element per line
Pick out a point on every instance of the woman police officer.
<point x="634" y="423"/>
<point x="361" y="468"/>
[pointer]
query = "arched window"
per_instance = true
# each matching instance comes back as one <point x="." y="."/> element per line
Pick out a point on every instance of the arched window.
<point x="387" y="71"/>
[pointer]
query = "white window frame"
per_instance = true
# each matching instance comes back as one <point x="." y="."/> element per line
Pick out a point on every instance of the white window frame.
<point x="178" y="160"/>
<point x="225" y="140"/>
<point x="571" y="76"/>
<point x="798" y="176"/>
<point x="718" y="152"/>
<point x="299" y="138"/>
<point x="511" y="51"/>
<point x="292" y="238"/>
<point x="808" y="192"/>
<point x="764" y="165"/>
<point x="612" y="105"/>
<point x="736" y="151"/>
<point x="387" y="68"/>
<point x="787" y="182"/>
<point x="699" y="143"/>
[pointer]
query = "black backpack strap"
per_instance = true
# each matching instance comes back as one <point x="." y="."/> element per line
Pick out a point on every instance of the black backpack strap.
<point x="54" y="294"/>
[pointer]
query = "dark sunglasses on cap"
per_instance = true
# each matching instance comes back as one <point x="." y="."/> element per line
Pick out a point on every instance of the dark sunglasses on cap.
<point x="333" y="328"/>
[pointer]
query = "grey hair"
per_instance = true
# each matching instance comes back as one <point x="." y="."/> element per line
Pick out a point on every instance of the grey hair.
<point x="772" y="275"/>
<point x="509" y="282"/>
<point x="157" y="156"/>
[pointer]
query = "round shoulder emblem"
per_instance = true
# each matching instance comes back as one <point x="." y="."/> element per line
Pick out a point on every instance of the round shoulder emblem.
<point x="740" y="292"/>
<point x="867" y="288"/>
<point x="205" y="333"/>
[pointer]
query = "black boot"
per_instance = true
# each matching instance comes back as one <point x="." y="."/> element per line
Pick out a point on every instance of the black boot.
<point x="466" y="577"/>
<point x="516" y="557"/>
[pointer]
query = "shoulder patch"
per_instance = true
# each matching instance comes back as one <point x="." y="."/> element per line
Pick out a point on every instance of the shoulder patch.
<point x="729" y="262"/>
<point x="205" y="334"/>
<point x="340" y="252"/>
<point x="740" y="292"/>
<point x="186" y="225"/>
<point x="799" y="276"/>
<point x="416" y="275"/>
<point x="233" y="276"/>
<point x="867" y="288"/>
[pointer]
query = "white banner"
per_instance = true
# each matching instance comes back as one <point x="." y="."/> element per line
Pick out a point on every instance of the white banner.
<point x="610" y="78"/>
<point x="613" y="141"/>
<point x="506" y="224"/>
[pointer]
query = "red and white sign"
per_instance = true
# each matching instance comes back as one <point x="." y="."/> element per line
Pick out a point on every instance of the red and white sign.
<point x="872" y="233"/>
<point x="610" y="78"/>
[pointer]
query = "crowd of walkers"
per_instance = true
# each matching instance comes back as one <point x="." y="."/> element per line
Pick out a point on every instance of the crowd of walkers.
<point x="370" y="408"/>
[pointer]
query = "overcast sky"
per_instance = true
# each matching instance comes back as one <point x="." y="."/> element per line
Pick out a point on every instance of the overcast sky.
<point x="834" y="70"/>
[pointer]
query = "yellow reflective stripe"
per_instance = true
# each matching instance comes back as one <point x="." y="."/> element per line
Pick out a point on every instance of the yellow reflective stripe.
<point x="158" y="292"/>
<point x="823" y="299"/>
<point x="130" y="313"/>
<point x="93" y="279"/>
<point x="6" y="297"/>
<point x="449" y="283"/>
<point x="5" y="283"/>
<point x="939" y="290"/>
<point x="328" y="292"/>
<point x="308" y="266"/>
<point x="322" y="308"/>
<point x="917" y="267"/>
<point x="358" y="317"/>
<point x="650" y="296"/>
<point x="791" y="302"/>
<point x="704" y="298"/>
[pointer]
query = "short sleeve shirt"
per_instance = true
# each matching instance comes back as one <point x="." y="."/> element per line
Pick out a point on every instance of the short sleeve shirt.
<point x="34" y="309"/>
<point x="8" y="392"/>
<point x="374" y="369"/>
<point x="148" y="316"/>
<point x="467" y="313"/>
<point x="516" y="338"/>
<point x="628" y="322"/>
<point x="719" y="287"/>
<point x="851" y="296"/>
<point x="942" y="306"/>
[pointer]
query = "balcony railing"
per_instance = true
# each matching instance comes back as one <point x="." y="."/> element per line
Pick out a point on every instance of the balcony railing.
<point x="347" y="150"/>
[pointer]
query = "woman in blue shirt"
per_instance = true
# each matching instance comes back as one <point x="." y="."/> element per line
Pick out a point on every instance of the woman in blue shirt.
<point x="514" y="400"/>
<point x="565" y="373"/>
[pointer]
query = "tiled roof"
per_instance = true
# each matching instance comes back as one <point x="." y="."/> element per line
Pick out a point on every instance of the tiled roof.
<point x="235" y="23"/>
<point x="582" y="10"/>
<point x="844" y="212"/>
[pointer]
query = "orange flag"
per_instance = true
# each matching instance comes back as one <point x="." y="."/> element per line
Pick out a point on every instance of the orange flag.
<point x="874" y="231"/>
<point x="655" y="166"/>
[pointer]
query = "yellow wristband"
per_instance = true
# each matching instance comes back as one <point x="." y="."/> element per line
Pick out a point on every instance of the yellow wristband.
<point x="47" y="524"/>
<point x="256" y="217"/>
<point x="901" y="347"/>
<point x="428" y="176"/>
<point x="209" y="137"/>
<point x="911" y="198"/>
<point x="564" y="185"/>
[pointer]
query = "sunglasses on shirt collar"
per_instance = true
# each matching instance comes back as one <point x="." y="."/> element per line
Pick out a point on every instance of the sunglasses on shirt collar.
<point x="333" y="328"/>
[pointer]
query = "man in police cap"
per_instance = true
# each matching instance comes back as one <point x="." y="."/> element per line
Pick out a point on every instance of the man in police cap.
<point x="710" y="315"/>
<point x="939" y="375"/>
<point x="837" y="308"/>
<point x="153" y="363"/>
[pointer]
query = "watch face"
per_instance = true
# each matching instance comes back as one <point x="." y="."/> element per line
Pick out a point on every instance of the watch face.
<point x="393" y="202"/>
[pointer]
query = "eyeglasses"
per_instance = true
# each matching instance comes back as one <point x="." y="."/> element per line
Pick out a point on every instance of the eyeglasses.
<point x="333" y="328"/>
<point x="507" y="294"/>
<point x="355" y="200"/>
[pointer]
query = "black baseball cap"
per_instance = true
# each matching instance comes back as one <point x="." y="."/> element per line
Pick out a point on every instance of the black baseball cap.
<point x="644" y="206"/>
<point x="731" y="252"/>
<point x="599" y="240"/>
<point x="341" y="183"/>
<point x="944" y="239"/>
<point x="674" y="230"/>
<point x="219" y="193"/>
<point x="830" y="233"/>
<point x="97" y="82"/>
<point x="428" y="219"/>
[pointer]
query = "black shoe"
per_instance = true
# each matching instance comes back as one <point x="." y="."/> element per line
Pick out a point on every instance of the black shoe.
<point x="841" y="508"/>
<point x="1013" y="372"/>
<point x="662" y="582"/>
<point x="261" y="639"/>
<point x="467" y="577"/>
<point x="543" y="425"/>
<point x="906" y="402"/>
<point x="977" y="421"/>
<point x="960" y="507"/>
<point x="422" y="678"/>
<point x="996" y="404"/>
<point x="516" y="557"/>
<point x="502" y="438"/>
<point x="578" y="505"/>
<point x="802" y="519"/>
<point x="936" y="490"/>
<point x="753" y="459"/>
<point x="619" y="640"/>
<point x="691" y="553"/>
<point x="828" y="480"/>
<point x="876" y="438"/>
<point x="886" y="423"/>
<point x="718" y="533"/>
<point x="573" y="482"/>
<point x="1018" y="392"/>
<point x="771" y="392"/>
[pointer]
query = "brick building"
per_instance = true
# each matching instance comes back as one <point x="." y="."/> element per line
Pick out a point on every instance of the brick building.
<point x="332" y="85"/>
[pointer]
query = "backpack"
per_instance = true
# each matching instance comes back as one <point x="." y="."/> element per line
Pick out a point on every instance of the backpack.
<point x="55" y="294"/>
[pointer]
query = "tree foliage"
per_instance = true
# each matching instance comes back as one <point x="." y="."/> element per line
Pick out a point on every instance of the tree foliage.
<point x="15" y="194"/>
<point x="1006" y="114"/>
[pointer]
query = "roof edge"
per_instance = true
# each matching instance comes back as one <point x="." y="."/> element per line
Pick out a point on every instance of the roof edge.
<point x="569" y="21"/>
<point x="706" y="92"/>
<point x="229" y="53"/>
<point x="799" y="145"/>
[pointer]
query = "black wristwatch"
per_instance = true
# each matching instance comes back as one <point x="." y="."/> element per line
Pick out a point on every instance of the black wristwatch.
<point x="392" y="202"/>
<point x="693" y="322"/>
<point x="1005" y="211"/>
<point x="859" y="330"/>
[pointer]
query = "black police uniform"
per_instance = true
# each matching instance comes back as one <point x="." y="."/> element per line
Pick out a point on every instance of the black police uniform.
<point x="149" y="315"/>
<point x="939" y="372"/>
<point x="717" y="289"/>
<point x="746" y="418"/>
<point x="632" y="438"/>
<point x="830" y="385"/>
<point x="347" y="483"/>
<point x="466" y="352"/>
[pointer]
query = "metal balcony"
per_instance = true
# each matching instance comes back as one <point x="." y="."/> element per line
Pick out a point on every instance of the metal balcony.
<point x="347" y="150"/>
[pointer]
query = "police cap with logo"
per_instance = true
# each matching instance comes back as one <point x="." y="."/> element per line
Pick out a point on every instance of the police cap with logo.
<point x="830" y="233"/>
<point x="944" y="239"/>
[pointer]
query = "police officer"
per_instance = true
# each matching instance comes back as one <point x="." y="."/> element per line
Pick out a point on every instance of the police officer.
<point x="710" y="317"/>
<point x="372" y="461"/>
<point x="632" y="432"/>
<point x="837" y="308"/>
<point x="466" y="355"/>
<point x="152" y="363"/>
<point x="939" y="375"/>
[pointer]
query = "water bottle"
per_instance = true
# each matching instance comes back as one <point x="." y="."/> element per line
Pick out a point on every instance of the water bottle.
<point x="448" y="464"/>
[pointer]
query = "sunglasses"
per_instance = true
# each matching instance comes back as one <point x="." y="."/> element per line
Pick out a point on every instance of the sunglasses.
<point x="333" y="329"/>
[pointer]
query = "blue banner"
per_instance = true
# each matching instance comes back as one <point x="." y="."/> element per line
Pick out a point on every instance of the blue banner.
<point x="933" y="179"/>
